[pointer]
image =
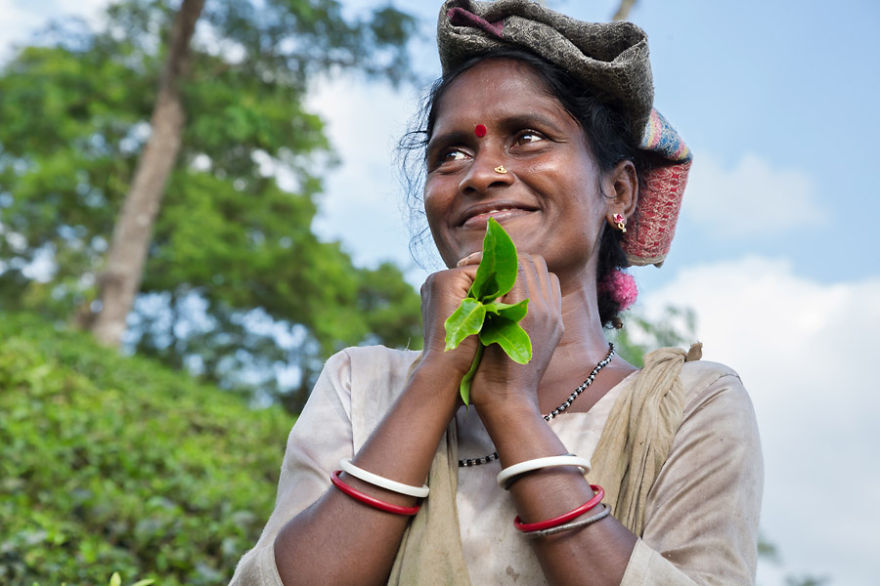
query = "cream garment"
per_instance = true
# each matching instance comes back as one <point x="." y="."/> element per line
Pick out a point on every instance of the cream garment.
<point x="701" y="522"/>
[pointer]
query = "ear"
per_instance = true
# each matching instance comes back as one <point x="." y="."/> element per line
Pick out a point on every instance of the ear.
<point x="621" y="189"/>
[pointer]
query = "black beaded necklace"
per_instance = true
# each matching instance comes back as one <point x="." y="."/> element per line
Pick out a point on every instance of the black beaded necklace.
<point x="565" y="405"/>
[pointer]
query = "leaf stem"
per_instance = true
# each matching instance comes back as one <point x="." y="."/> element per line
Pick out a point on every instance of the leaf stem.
<point x="465" y="387"/>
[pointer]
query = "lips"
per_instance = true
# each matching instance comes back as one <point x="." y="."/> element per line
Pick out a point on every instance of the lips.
<point x="477" y="216"/>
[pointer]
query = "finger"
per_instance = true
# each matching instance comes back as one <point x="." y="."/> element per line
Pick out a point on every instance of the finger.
<point x="539" y="281"/>
<point x="544" y="282"/>
<point x="525" y="284"/>
<point x="473" y="258"/>
<point x="556" y="288"/>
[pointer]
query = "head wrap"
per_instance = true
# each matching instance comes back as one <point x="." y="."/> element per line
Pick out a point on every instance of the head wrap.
<point x="611" y="59"/>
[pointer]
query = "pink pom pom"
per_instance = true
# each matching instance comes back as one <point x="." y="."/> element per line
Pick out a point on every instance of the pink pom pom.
<point x="622" y="287"/>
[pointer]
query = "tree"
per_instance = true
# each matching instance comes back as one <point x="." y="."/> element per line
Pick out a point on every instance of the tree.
<point x="121" y="280"/>
<point x="676" y="326"/>
<point x="622" y="12"/>
<point x="76" y="111"/>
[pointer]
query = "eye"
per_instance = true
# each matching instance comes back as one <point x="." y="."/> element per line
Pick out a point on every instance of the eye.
<point x="529" y="137"/>
<point x="453" y="155"/>
<point x="447" y="158"/>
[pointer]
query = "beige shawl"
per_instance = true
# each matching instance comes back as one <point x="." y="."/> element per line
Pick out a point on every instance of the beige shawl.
<point x="633" y="447"/>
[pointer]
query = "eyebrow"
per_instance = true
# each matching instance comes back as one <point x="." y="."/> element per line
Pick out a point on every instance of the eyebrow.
<point x="530" y="120"/>
<point x="507" y="123"/>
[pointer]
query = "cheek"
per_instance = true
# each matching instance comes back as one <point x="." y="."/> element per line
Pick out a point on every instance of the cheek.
<point x="437" y="199"/>
<point x="433" y="210"/>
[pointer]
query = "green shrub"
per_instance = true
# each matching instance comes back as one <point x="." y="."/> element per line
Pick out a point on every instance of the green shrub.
<point x="115" y="464"/>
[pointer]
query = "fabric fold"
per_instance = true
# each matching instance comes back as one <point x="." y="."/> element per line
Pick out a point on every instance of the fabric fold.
<point x="639" y="433"/>
<point x="431" y="550"/>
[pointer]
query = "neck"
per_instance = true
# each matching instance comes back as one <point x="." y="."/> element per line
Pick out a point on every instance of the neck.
<point x="583" y="344"/>
<point x="583" y="330"/>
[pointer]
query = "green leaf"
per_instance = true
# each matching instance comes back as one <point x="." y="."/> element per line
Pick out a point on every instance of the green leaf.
<point x="513" y="312"/>
<point x="115" y="579"/>
<point x="508" y="334"/>
<point x="497" y="271"/>
<point x="464" y="321"/>
<point x="480" y="313"/>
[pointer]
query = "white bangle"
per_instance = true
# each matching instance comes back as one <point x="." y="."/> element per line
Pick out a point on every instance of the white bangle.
<point x="511" y="472"/>
<point x="382" y="482"/>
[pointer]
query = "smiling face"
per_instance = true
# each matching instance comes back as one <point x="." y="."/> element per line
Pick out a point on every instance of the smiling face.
<point x="551" y="198"/>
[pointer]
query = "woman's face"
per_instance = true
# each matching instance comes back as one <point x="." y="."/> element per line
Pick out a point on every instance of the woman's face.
<point x="550" y="200"/>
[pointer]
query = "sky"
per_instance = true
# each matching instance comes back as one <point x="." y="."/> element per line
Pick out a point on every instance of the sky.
<point x="773" y="250"/>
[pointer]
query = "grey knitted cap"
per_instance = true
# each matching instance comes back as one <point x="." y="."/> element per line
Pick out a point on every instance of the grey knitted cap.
<point x="609" y="58"/>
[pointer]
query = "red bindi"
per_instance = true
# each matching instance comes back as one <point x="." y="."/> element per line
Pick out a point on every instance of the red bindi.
<point x="480" y="130"/>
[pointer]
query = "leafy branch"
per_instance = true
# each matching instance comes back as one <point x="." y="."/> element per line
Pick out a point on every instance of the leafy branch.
<point x="480" y="313"/>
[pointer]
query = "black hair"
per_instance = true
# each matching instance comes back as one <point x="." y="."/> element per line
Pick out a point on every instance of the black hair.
<point x="605" y="130"/>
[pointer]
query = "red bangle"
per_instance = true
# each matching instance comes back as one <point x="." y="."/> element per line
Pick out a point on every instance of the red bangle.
<point x="565" y="517"/>
<point x="368" y="500"/>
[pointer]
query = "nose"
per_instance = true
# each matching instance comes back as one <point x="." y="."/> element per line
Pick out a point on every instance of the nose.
<point x="488" y="170"/>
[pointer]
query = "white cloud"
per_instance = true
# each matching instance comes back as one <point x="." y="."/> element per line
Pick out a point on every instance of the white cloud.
<point x="17" y="23"/>
<point x="806" y="351"/>
<point x="751" y="198"/>
<point x="21" y="19"/>
<point x="364" y="203"/>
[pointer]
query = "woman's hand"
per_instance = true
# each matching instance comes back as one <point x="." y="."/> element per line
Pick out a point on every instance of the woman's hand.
<point x="441" y="294"/>
<point x="500" y="380"/>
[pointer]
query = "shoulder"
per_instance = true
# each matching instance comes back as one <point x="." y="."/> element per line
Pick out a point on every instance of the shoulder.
<point x="718" y="409"/>
<point x="372" y="378"/>
<point x="379" y="356"/>
<point x="706" y="382"/>
<point x="366" y="366"/>
<point x="354" y="371"/>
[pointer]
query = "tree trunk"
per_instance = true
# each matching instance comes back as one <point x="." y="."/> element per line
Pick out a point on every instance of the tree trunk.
<point x="623" y="10"/>
<point x="121" y="279"/>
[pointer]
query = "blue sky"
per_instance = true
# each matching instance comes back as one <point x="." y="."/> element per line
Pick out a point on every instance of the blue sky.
<point x="774" y="250"/>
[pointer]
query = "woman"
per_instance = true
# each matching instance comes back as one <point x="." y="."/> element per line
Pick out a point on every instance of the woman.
<point x="539" y="122"/>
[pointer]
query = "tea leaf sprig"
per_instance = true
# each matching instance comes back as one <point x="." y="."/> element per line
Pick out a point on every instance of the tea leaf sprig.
<point x="479" y="313"/>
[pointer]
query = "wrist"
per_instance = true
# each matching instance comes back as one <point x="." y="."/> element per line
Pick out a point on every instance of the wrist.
<point x="520" y="433"/>
<point x="507" y="410"/>
<point x="432" y="378"/>
<point x="449" y="363"/>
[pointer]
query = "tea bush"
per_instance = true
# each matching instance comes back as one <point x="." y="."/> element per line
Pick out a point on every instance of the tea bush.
<point x="115" y="464"/>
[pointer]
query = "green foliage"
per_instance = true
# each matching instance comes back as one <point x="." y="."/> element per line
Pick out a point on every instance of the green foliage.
<point x="479" y="313"/>
<point x="112" y="464"/>
<point x="75" y="116"/>
<point x="807" y="580"/>
<point x="675" y="327"/>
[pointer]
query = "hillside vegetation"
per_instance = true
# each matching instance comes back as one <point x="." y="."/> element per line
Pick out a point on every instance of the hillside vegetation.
<point x="116" y="464"/>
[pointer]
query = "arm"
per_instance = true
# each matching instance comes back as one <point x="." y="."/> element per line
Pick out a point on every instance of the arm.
<point x="319" y="535"/>
<point x="505" y="395"/>
<point x="338" y="540"/>
<point x="703" y="510"/>
<point x="701" y="519"/>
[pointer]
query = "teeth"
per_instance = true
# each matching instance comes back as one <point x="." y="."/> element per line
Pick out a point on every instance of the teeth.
<point x="493" y="211"/>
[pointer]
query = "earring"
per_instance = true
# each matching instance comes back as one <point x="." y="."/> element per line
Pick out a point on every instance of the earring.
<point x="621" y="222"/>
<point x="501" y="170"/>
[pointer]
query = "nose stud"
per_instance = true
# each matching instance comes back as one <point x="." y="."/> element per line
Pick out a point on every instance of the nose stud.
<point x="501" y="170"/>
